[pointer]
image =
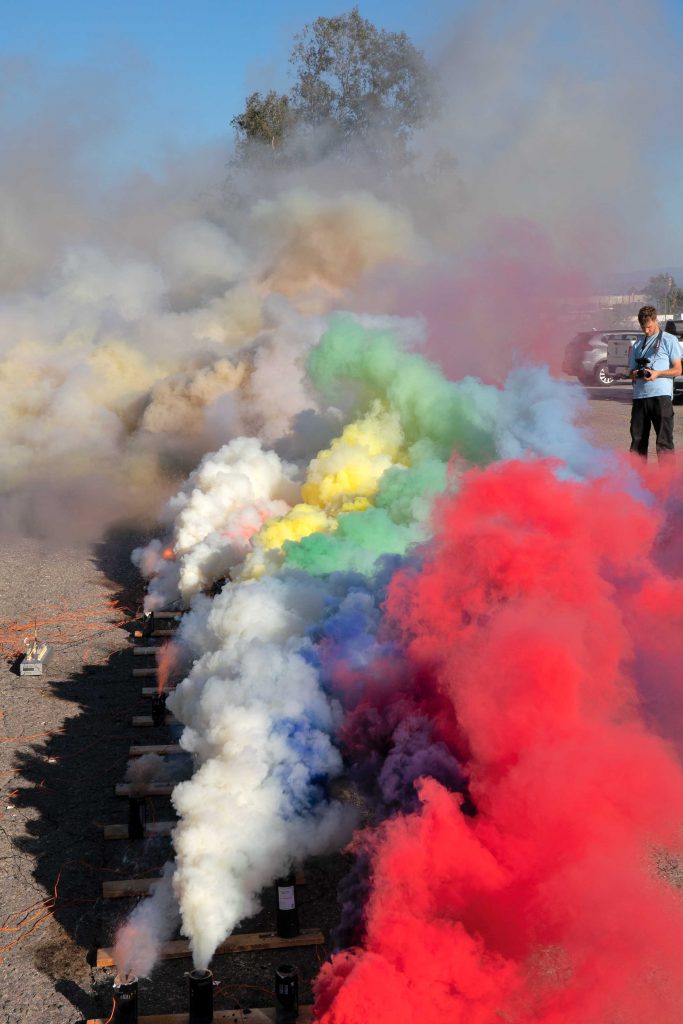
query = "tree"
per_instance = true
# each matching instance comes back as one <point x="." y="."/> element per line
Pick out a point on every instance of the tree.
<point x="353" y="80"/>
<point x="266" y="120"/>
<point x="665" y="293"/>
<point x="359" y="78"/>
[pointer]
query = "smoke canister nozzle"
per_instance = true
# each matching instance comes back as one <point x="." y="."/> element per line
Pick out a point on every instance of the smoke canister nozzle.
<point x="136" y="817"/>
<point x="125" y="1000"/>
<point x="286" y="913"/>
<point x="286" y="994"/>
<point x="201" y="997"/>
<point x="158" y="709"/>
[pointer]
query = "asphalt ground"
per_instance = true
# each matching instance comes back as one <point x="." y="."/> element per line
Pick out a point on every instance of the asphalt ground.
<point x="64" y="741"/>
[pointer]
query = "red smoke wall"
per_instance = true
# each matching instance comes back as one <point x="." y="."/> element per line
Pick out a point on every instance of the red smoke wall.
<point x="556" y="904"/>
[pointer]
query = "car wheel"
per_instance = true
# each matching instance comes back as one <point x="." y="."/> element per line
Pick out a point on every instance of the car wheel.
<point x="601" y="377"/>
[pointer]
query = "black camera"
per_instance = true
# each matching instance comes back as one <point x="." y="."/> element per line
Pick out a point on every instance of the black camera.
<point x="643" y="370"/>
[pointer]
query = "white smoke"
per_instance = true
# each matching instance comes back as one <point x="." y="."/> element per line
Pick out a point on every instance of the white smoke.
<point x="260" y="728"/>
<point x="220" y="507"/>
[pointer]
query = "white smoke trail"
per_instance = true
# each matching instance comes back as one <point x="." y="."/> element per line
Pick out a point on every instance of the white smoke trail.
<point x="259" y="725"/>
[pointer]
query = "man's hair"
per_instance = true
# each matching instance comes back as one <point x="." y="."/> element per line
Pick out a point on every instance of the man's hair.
<point x="646" y="313"/>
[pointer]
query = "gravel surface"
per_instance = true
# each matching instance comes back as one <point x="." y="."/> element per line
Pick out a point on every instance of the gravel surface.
<point x="65" y="739"/>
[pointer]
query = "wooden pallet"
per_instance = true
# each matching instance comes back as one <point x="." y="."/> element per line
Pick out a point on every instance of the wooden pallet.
<point x="152" y="829"/>
<point x="145" y="721"/>
<point x="152" y="789"/>
<point x="261" y="1015"/>
<point x="162" y="749"/>
<point x="121" y="888"/>
<point x="178" y="948"/>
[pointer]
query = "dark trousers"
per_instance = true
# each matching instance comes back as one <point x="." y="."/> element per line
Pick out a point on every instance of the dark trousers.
<point x="657" y="412"/>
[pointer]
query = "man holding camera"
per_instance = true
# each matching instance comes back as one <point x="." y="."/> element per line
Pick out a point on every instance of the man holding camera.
<point x="654" y="361"/>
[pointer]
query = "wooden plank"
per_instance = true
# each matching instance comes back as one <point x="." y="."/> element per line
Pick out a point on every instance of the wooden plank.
<point x="156" y="748"/>
<point x="121" y="887"/>
<point x="168" y="615"/>
<point x="257" y="1015"/>
<point x="163" y="632"/>
<point x="143" y="673"/>
<point x="151" y="691"/>
<point x="152" y="828"/>
<point x="151" y="789"/>
<point x="178" y="948"/>
<point x="138" y="651"/>
<point x="145" y="721"/>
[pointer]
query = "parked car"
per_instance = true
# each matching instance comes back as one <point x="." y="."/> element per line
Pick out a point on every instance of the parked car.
<point x="585" y="356"/>
<point x="618" y="349"/>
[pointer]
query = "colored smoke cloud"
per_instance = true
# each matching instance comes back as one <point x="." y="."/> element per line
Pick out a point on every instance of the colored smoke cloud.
<point x="156" y="320"/>
<point x="548" y="904"/>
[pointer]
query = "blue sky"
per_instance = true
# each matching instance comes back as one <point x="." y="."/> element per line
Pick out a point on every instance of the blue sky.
<point x="183" y="67"/>
<point x="128" y="82"/>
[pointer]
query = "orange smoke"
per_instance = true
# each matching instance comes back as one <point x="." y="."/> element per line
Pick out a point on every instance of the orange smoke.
<point x="168" y="657"/>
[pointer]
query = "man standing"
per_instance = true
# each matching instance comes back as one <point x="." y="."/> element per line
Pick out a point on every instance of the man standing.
<point x="654" y="361"/>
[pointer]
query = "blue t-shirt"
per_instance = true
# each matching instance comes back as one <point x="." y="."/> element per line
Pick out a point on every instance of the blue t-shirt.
<point x="659" y="359"/>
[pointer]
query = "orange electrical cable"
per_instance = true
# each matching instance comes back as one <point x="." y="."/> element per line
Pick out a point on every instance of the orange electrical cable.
<point x="29" y="736"/>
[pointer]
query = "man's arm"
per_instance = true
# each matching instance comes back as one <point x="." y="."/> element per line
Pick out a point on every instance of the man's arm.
<point x="674" y="363"/>
<point x="674" y="371"/>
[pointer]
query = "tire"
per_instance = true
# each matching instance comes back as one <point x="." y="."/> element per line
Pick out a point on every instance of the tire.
<point x="601" y="378"/>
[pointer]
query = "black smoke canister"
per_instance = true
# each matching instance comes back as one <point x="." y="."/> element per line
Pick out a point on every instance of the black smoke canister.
<point x="201" y="997"/>
<point x="147" y="624"/>
<point x="136" y="817"/>
<point x="286" y="914"/>
<point x="286" y="994"/>
<point x="125" y="1000"/>
<point x="158" y="709"/>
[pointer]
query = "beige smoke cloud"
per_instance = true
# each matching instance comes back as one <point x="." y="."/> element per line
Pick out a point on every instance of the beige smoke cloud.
<point x="167" y="315"/>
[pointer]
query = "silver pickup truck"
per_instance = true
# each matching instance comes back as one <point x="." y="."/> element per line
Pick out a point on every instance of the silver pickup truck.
<point x="585" y="356"/>
<point x="618" y="348"/>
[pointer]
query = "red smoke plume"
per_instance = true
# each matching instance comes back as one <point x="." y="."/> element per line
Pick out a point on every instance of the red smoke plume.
<point x="516" y="295"/>
<point x="557" y="903"/>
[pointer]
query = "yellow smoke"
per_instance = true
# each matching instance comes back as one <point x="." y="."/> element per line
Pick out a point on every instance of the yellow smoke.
<point x="299" y="522"/>
<point x="342" y="478"/>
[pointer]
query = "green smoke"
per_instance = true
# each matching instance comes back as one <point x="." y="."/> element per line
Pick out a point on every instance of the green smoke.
<point x="455" y="416"/>
<point x="399" y="519"/>
<point x="438" y="417"/>
<point x="356" y="544"/>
